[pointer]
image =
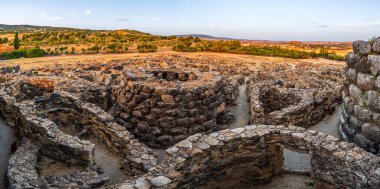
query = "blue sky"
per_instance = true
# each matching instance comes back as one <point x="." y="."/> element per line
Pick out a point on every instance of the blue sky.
<point x="307" y="20"/>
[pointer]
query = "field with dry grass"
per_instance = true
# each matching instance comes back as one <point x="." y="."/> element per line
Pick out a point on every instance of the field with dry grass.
<point x="254" y="62"/>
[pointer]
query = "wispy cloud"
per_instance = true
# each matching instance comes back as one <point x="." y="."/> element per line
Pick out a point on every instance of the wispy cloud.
<point x="88" y="12"/>
<point x="119" y="19"/>
<point x="72" y="13"/>
<point x="55" y="18"/>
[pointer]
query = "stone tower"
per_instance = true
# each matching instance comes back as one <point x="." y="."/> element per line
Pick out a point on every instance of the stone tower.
<point x="360" y="120"/>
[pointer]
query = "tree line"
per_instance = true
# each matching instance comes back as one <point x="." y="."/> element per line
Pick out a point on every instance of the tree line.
<point x="59" y="42"/>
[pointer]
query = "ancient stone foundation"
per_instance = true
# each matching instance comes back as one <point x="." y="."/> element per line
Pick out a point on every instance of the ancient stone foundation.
<point x="360" y="121"/>
<point x="288" y="102"/>
<point x="163" y="107"/>
<point x="220" y="157"/>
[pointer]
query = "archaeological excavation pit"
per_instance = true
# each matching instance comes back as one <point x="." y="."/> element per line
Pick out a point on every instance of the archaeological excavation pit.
<point x="163" y="107"/>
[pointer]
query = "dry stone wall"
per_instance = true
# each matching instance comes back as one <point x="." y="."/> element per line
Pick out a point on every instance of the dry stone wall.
<point x="293" y="97"/>
<point x="22" y="172"/>
<point x="214" y="158"/>
<point x="44" y="132"/>
<point x="66" y="108"/>
<point x="360" y="121"/>
<point x="163" y="107"/>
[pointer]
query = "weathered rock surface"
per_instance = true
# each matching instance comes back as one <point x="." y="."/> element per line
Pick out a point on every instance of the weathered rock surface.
<point x="359" y="122"/>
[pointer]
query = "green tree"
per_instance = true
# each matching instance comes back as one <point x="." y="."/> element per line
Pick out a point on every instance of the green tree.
<point x="16" y="43"/>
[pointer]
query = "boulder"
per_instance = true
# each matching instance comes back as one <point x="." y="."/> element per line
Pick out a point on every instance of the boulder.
<point x="361" y="47"/>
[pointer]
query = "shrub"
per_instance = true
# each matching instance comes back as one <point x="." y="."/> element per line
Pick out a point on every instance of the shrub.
<point x="146" y="47"/>
<point x="27" y="53"/>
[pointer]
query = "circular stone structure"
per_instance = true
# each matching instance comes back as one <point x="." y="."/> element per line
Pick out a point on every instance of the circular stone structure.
<point x="281" y="102"/>
<point x="163" y="107"/>
<point x="360" y="121"/>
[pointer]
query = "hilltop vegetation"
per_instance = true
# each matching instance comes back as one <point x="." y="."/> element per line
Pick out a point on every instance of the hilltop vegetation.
<point x="52" y="40"/>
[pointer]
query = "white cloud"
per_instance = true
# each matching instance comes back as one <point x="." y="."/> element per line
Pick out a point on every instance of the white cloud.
<point x="72" y="13"/>
<point x="55" y="18"/>
<point x="88" y="12"/>
<point x="119" y="19"/>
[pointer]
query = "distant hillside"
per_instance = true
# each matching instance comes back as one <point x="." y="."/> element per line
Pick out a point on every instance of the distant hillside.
<point x="31" y="28"/>
<point x="202" y="36"/>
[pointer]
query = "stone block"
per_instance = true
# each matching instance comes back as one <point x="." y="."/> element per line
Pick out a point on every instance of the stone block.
<point x="356" y="94"/>
<point x="362" y="113"/>
<point x="365" y="81"/>
<point x="361" y="47"/>
<point x="376" y="45"/>
<point x="355" y="123"/>
<point x="374" y="61"/>
<point x="371" y="132"/>
<point x="351" y="75"/>
<point x="362" y="65"/>
<point x="372" y="100"/>
<point x="365" y="143"/>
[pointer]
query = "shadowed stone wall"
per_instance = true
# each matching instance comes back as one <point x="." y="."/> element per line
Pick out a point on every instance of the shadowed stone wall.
<point x="360" y="121"/>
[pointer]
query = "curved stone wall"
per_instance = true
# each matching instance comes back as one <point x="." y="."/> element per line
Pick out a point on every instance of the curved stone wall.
<point x="22" y="173"/>
<point x="215" y="158"/>
<point x="44" y="132"/>
<point x="163" y="107"/>
<point x="37" y="121"/>
<point x="360" y="121"/>
<point x="290" y="96"/>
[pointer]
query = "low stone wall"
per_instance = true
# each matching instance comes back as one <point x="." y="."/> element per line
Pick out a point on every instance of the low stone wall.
<point x="22" y="163"/>
<point x="214" y="158"/>
<point x="162" y="107"/>
<point x="22" y="173"/>
<point x="88" y="92"/>
<point x="53" y="143"/>
<point x="360" y="121"/>
<point x="231" y="87"/>
<point x="66" y="108"/>
<point x="280" y="105"/>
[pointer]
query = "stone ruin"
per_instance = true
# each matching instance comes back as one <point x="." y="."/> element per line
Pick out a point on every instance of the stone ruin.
<point x="360" y="120"/>
<point x="279" y="98"/>
<point x="42" y="121"/>
<point x="166" y="124"/>
<point x="163" y="107"/>
<point x="254" y="154"/>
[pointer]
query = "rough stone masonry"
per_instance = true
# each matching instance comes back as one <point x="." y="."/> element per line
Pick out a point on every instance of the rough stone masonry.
<point x="163" y="107"/>
<point x="360" y="120"/>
